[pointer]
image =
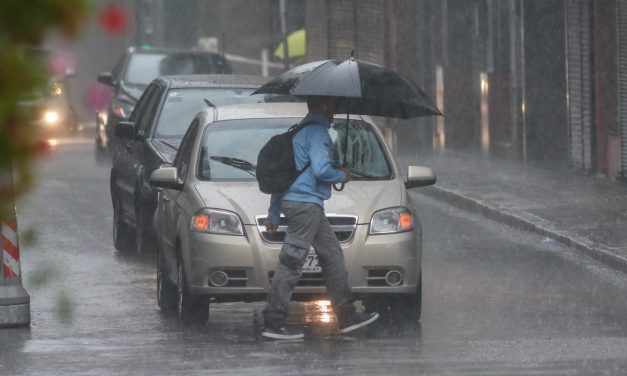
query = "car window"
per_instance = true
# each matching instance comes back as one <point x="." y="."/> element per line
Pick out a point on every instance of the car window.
<point x="364" y="149"/>
<point x="145" y="67"/>
<point x="242" y="139"/>
<point x="181" y="105"/>
<point x="181" y="160"/>
<point x="117" y="69"/>
<point x="147" y="114"/>
<point x="141" y="104"/>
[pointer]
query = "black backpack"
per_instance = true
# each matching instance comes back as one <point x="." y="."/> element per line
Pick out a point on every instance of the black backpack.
<point x="276" y="167"/>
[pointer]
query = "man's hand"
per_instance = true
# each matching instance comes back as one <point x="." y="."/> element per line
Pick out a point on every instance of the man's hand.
<point x="347" y="173"/>
<point x="271" y="227"/>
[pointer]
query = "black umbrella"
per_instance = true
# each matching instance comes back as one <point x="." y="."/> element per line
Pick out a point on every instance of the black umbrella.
<point x="366" y="89"/>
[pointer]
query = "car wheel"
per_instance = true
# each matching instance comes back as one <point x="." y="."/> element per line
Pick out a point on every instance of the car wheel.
<point x="144" y="237"/>
<point x="408" y="308"/>
<point x="405" y="308"/>
<point x="99" y="152"/>
<point x="122" y="232"/>
<point x="189" y="308"/>
<point x="167" y="296"/>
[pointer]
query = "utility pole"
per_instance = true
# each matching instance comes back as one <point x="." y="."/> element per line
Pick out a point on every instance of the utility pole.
<point x="283" y="11"/>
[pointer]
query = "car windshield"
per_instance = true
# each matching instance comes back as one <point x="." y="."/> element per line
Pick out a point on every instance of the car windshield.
<point x="240" y="141"/>
<point x="181" y="105"/>
<point x="143" y="68"/>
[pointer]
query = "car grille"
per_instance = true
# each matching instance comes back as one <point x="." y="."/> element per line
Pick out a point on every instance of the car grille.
<point x="306" y="279"/>
<point x="342" y="225"/>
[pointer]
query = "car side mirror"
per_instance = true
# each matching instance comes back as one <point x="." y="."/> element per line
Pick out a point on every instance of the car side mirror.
<point x="125" y="130"/>
<point x="418" y="176"/>
<point x="106" y="78"/>
<point x="166" y="177"/>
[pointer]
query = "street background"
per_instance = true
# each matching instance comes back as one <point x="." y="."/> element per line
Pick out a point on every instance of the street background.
<point x="496" y="300"/>
<point x="525" y="248"/>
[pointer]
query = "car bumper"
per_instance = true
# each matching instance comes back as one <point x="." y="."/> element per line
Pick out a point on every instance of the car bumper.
<point x="251" y="262"/>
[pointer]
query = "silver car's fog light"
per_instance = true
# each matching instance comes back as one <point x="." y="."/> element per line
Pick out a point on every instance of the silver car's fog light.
<point x="219" y="279"/>
<point x="393" y="278"/>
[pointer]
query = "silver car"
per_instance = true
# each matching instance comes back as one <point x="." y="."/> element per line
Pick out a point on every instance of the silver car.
<point x="212" y="242"/>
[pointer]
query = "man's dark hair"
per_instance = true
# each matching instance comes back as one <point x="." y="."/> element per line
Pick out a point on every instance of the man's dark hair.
<point x="314" y="101"/>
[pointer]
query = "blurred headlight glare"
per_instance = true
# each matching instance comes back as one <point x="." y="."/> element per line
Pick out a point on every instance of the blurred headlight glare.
<point x="123" y="109"/>
<point x="213" y="221"/>
<point x="392" y="220"/>
<point x="51" y="117"/>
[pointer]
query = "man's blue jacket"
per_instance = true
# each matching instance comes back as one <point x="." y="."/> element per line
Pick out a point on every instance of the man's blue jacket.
<point x="311" y="144"/>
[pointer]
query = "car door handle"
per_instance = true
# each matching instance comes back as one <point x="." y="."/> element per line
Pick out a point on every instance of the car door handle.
<point x="129" y="145"/>
<point x="166" y="198"/>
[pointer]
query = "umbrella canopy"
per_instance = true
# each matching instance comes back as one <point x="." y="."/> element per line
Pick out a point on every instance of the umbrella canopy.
<point x="368" y="88"/>
<point x="296" y="45"/>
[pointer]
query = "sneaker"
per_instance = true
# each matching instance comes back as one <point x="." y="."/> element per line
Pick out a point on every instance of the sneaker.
<point x="358" y="320"/>
<point x="282" y="333"/>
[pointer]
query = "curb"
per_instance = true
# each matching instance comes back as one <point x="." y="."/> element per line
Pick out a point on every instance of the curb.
<point x="528" y="222"/>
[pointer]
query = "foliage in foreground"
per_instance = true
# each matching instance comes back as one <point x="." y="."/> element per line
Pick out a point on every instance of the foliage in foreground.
<point x="26" y="23"/>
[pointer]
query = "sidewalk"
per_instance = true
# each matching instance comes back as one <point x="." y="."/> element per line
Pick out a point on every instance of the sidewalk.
<point x="584" y="212"/>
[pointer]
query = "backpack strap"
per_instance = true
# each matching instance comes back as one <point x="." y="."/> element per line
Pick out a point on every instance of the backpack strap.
<point x="295" y="129"/>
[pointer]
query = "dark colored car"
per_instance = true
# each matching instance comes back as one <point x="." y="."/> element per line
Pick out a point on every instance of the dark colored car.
<point x="133" y="73"/>
<point x="150" y="139"/>
<point x="51" y="109"/>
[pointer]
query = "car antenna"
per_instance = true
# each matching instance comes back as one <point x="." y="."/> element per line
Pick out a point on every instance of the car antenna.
<point x="209" y="103"/>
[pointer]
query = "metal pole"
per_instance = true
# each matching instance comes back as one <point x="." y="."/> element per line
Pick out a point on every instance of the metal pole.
<point x="286" y="55"/>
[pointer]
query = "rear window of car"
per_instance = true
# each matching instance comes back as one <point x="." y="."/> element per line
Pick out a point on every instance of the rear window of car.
<point x="143" y="68"/>
<point x="181" y="105"/>
<point x="243" y="139"/>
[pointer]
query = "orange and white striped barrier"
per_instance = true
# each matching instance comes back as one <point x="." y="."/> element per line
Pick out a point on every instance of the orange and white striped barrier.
<point x="10" y="250"/>
<point x="14" y="299"/>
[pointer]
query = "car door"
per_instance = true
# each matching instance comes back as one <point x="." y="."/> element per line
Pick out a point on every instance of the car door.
<point x="128" y="158"/>
<point x="171" y="199"/>
<point x="143" y="154"/>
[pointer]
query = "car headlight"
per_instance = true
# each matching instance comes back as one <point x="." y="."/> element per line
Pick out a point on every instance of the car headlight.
<point x="56" y="89"/>
<point x="391" y="220"/>
<point x="215" y="221"/>
<point x="51" y="117"/>
<point x="123" y="109"/>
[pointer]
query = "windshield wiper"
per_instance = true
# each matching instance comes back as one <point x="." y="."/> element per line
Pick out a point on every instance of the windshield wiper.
<point x="208" y="103"/>
<point x="169" y="145"/>
<point x="364" y="175"/>
<point x="357" y="173"/>
<point x="237" y="163"/>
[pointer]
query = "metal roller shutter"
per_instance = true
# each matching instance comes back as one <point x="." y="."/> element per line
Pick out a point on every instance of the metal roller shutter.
<point x="580" y="92"/>
<point x="622" y="80"/>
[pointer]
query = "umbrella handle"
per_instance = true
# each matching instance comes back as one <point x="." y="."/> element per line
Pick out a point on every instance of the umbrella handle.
<point x="341" y="188"/>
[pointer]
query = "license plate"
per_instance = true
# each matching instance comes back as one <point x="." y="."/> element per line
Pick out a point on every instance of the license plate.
<point x="311" y="265"/>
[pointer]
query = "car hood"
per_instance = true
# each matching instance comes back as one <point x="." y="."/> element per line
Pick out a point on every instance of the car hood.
<point x="360" y="198"/>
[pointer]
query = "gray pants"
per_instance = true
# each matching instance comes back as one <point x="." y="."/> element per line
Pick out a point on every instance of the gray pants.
<point x="307" y="225"/>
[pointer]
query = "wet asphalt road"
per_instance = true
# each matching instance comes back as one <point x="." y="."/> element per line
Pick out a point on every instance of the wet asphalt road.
<point x="496" y="302"/>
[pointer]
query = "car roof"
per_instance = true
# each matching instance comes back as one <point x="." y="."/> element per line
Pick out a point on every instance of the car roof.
<point x="266" y="110"/>
<point x="212" y="80"/>
<point x="163" y="50"/>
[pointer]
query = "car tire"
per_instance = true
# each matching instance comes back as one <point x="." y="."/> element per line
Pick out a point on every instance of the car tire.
<point x="408" y="308"/>
<point x="402" y="308"/>
<point x="189" y="308"/>
<point x="99" y="152"/>
<point x="122" y="232"/>
<point x="167" y="297"/>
